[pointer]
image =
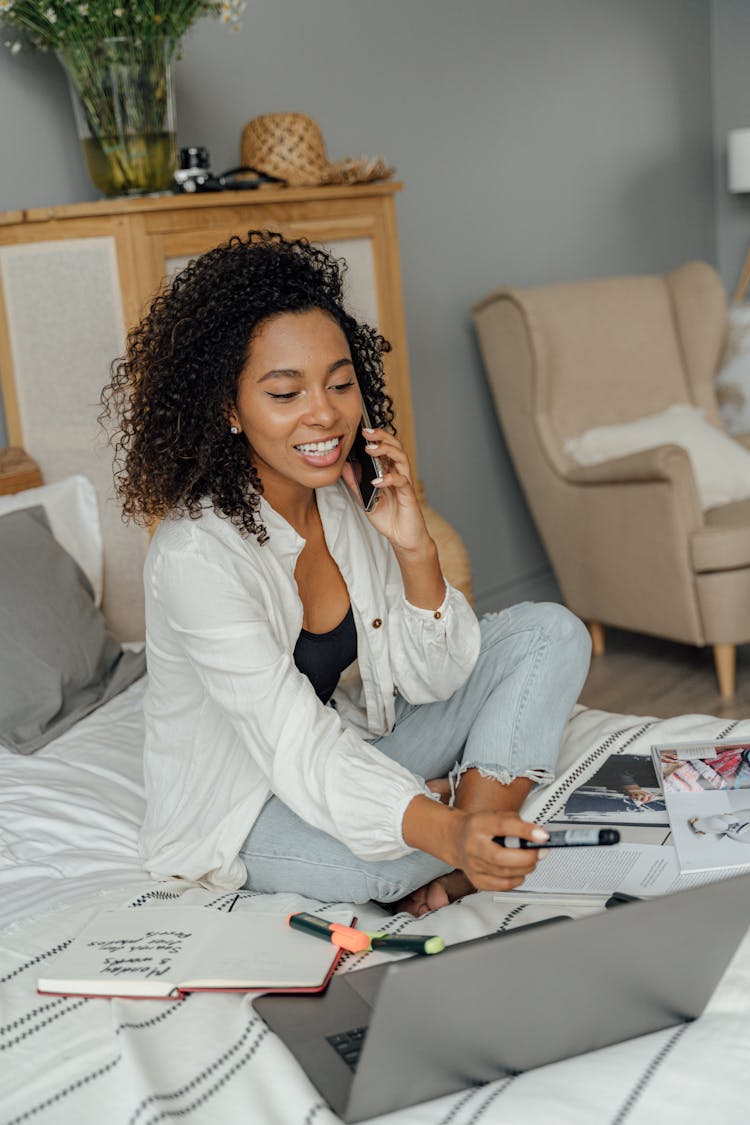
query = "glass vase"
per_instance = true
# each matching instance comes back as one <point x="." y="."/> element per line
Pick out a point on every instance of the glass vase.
<point x="123" y="100"/>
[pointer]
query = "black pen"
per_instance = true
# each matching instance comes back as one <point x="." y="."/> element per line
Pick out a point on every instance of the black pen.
<point x="618" y="898"/>
<point x="566" y="838"/>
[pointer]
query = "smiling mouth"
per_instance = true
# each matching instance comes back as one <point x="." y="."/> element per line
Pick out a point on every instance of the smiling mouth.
<point x="320" y="453"/>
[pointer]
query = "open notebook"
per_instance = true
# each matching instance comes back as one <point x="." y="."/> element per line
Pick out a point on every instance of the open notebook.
<point x="163" y="952"/>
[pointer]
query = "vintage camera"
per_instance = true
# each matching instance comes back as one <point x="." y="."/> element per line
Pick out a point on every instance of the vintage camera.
<point x="194" y="174"/>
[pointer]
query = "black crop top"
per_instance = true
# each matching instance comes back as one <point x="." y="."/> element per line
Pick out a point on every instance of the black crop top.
<point x="323" y="656"/>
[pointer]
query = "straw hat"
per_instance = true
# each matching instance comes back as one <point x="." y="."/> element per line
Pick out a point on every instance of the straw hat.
<point x="291" y="147"/>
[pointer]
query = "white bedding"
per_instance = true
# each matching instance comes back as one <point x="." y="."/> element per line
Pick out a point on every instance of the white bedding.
<point x="69" y="817"/>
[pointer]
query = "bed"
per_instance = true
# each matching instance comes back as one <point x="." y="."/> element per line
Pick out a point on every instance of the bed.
<point x="69" y="816"/>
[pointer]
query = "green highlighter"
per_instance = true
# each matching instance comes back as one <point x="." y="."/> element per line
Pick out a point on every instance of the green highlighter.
<point x="416" y="943"/>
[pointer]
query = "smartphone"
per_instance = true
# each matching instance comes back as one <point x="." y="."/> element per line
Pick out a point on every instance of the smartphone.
<point x="364" y="466"/>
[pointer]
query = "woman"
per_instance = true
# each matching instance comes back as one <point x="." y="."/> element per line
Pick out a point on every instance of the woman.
<point x="315" y="686"/>
<point x="734" y="825"/>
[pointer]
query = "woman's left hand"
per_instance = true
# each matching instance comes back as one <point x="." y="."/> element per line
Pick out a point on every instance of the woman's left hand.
<point x="396" y="513"/>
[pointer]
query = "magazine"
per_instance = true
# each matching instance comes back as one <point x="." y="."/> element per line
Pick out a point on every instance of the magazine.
<point x="707" y="791"/>
<point x="624" y="790"/>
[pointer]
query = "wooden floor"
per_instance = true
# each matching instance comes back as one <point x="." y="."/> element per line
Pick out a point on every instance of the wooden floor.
<point x="639" y="675"/>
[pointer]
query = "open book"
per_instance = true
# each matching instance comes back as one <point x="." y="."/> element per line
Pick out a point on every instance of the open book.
<point x="633" y="869"/>
<point x="163" y="952"/>
<point x="707" y="789"/>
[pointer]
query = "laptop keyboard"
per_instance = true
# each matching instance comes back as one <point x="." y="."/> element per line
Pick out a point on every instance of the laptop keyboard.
<point x="348" y="1045"/>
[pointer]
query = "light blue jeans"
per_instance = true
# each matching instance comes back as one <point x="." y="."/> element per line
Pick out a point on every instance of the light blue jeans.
<point x="507" y="721"/>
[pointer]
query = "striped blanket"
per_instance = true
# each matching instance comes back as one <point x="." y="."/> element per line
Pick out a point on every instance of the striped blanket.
<point x="69" y="817"/>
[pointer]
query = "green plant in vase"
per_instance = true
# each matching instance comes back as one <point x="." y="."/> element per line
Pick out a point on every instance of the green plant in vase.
<point x="118" y="58"/>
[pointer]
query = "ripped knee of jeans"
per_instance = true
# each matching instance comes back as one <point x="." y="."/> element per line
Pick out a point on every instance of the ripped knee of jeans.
<point x="495" y="773"/>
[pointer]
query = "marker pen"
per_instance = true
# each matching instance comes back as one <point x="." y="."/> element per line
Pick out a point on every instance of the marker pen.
<point x="346" y="937"/>
<point x="357" y="941"/>
<point x="567" y="838"/>
<point x="407" y="943"/>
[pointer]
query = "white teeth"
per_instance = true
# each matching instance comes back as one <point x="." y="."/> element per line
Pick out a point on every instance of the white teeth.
<point x="318" y="446"/>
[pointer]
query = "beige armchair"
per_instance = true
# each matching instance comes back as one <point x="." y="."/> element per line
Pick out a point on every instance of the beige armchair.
<point x="628" y="542"/>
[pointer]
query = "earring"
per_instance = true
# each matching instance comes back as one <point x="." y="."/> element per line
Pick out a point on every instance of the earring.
<point x="234" y="429"/>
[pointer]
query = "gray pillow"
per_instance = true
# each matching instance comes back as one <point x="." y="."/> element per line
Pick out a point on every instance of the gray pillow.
<point x="58" y="659"/>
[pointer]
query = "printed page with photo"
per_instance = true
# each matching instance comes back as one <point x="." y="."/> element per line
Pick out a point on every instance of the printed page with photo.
<point x="707" y="792"/>
<point x="624" y="790"/>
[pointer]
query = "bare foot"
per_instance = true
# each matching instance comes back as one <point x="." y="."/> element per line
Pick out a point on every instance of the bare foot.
<point x="440" y="892"/>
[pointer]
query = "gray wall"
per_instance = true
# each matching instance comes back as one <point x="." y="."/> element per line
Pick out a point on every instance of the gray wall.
<point x="538" y="140"/>
<point x="731" y="84"/>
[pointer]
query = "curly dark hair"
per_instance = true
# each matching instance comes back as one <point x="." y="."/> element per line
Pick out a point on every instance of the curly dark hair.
<point x="170" y="395"/>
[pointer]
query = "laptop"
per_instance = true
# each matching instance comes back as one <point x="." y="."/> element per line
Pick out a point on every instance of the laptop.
<point x="414" y="1029"/>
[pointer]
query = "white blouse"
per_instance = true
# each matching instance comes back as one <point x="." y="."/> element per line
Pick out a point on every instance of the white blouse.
<point x="230" y="719"/>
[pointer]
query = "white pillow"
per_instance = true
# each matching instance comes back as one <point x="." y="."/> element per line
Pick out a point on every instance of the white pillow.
<point x="721" y="466"/>
<point x="73" y="515"/>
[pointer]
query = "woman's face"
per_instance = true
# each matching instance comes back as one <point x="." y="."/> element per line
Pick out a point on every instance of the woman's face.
<point x="298" y="402"/>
